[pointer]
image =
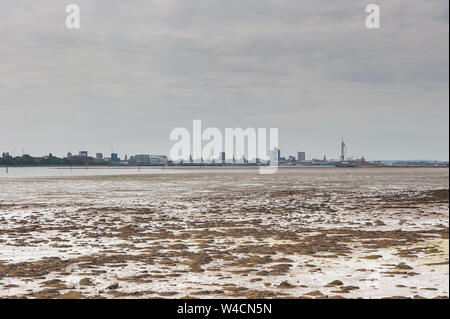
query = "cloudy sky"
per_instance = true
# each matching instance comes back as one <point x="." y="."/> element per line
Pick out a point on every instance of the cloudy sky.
<point x="137" y="69"/>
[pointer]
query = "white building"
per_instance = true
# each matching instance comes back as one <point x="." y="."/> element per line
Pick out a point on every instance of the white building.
<point x="142" y="159"/>
<point x="145" y="159"/>
<point x="158" y="159"/>
<point x="274" y="156"/>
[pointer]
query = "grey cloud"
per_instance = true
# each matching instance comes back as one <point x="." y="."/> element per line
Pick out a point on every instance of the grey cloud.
<point x="135" y="70"/>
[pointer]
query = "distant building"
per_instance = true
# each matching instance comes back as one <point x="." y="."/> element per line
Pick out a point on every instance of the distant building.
<point x="81" y="159"/>
<point x="145" y="159"/>
<point x="114" y="157"/>
<point x="323" y="161"/>
<point x="142" y="159"/>
<point x="5" y="155"/>
<point x="99" y="156"/>
<point x="69" y="154"/>
<point x="159" y="159"/>
<point x="301" y="156"/>
<point x="275" y="155"/>
<point x="83" y="153"/>
<point x="222" y="157"/>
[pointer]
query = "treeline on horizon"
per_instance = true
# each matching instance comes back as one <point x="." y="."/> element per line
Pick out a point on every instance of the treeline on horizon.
<point x="27" y="160"/>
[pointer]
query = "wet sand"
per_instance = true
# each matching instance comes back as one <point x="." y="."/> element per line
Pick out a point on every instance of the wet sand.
<point x="302" y="233"/>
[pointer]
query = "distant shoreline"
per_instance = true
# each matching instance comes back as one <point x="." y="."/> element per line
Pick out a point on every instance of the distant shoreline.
<point x="212" y="166"/>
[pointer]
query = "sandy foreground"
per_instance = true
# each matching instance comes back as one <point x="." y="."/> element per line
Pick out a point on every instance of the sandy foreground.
<point x="302" y="233"/>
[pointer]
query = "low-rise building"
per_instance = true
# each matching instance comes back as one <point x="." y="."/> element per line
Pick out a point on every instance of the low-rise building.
<point x="158" y="160"/>
<point x="114" y="157"/>
<point x="301" y="156"/>
<point x="145" y="159"/>
<point x="81" y="159"/>
<point x="141" y="159"/>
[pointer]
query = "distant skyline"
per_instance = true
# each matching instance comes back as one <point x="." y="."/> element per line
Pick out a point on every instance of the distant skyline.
<point x="128" y="155"/>
<point x="136" y="70"/>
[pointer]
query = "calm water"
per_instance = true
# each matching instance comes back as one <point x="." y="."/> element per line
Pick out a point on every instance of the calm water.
<point x="26" y="172"/>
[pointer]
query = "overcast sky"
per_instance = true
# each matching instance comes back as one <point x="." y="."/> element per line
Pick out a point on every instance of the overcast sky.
<point x="137" y="69"/>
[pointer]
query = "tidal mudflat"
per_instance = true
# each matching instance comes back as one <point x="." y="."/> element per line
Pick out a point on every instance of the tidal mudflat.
<point x="227" y="233"/>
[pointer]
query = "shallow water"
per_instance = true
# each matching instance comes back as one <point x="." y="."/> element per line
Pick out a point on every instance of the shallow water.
<point x="66" y="171"/>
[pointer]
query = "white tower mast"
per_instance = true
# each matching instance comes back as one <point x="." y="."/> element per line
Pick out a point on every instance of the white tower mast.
<point x="343" y="146"/>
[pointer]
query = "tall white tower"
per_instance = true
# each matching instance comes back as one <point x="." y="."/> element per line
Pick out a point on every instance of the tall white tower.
<point x="343" y="147"/>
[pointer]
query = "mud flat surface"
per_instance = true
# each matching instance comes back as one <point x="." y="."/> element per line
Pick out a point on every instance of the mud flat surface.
<point x="302" y="233"/>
